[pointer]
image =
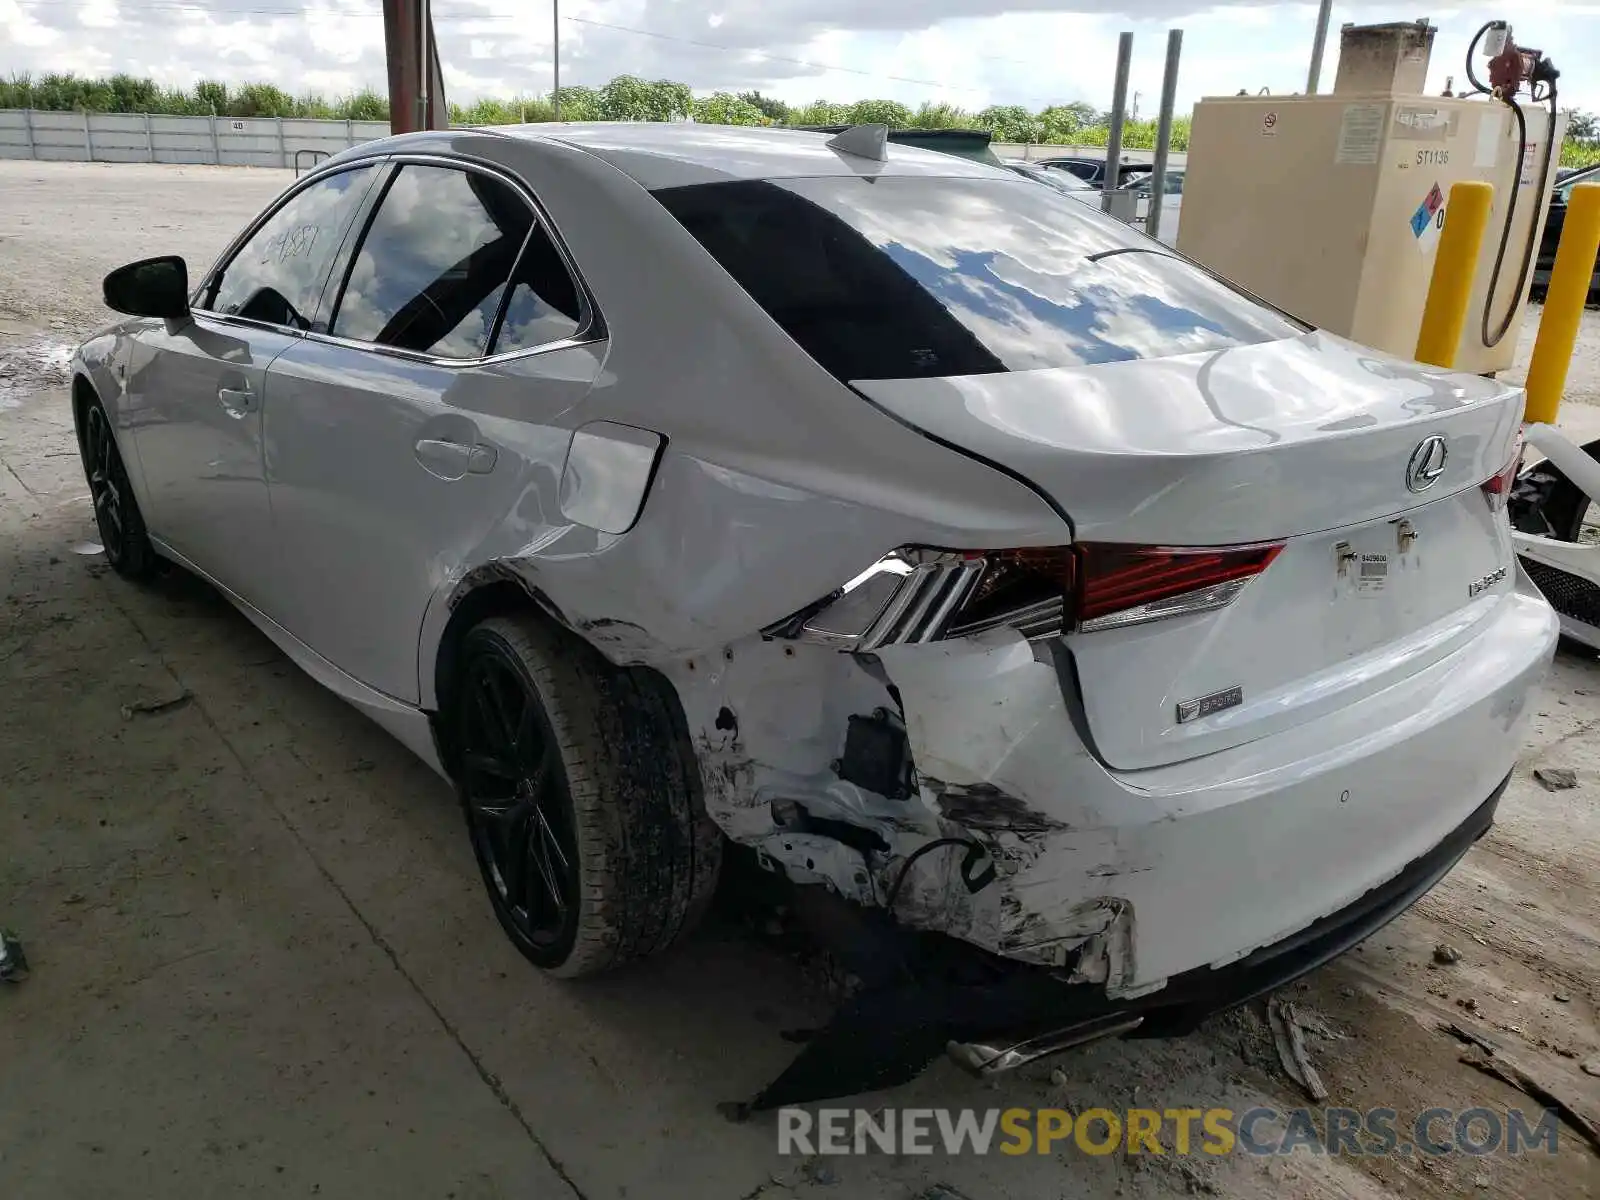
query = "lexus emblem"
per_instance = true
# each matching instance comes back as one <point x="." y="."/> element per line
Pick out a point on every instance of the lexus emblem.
<point x="1427" y="463"/>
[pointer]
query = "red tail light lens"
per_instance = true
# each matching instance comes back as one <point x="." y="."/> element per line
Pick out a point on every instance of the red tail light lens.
<point x="1127" y="585"/>
<point x="1104" y="585"/>
<point x="917" y="594"/>
<point x="1497" y="488"/>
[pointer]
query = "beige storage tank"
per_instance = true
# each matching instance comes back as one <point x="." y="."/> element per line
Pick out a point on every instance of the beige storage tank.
<point x="1330" y="206"/>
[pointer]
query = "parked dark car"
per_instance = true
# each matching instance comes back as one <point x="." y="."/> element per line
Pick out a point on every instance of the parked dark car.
<point x="1093" y="170"/>
<point x="1554" y="223"/>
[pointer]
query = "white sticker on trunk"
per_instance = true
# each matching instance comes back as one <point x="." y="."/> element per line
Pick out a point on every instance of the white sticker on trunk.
<point x="1372" y="574"/>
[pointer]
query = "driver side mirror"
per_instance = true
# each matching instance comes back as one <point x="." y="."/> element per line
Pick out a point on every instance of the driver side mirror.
<point x="152" y="287"/>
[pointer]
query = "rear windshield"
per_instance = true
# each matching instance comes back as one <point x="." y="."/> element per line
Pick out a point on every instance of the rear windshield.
<point x="905" y="277"/>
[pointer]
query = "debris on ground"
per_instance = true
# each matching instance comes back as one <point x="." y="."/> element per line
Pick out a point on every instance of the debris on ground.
<point x="1488" y="1056"/>
<point x="1317" y="1025"/>
<point x="1471" y="1036"/>
<point x="1470" y="1003"/>
<point x="150" y="708"/>
<point x="1561" y="997"/>
<point x="940" y="1191"/>
<point x="1509" y="1071"/>
<point x="13" y="963"/>
<point x="819" y="1173"/>
<point x="1556" y="779"/>
<point x="1445" y="954"/>
<point x="1590" y="1066"/>
<point x="1291" y="1044"/>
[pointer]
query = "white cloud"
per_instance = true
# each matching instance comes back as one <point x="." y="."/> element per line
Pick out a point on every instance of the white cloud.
<point x="1031" y="52"/>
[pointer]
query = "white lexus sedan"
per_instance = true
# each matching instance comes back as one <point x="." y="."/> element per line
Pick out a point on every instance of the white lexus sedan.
<point x="1082" y="645"/>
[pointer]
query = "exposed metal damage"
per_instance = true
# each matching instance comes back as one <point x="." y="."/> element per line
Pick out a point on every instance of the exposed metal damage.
<point x="813" y="759"/>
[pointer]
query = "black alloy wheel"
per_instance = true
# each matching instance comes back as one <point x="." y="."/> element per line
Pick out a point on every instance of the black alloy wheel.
<point x="116" y="512"/>
<point x="519" y="806"/>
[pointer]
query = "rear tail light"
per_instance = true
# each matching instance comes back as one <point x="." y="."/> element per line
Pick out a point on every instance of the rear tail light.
<point x="1129" y="585"/>
<point x="920" y="595"/>
<point x="1497" y="488"/>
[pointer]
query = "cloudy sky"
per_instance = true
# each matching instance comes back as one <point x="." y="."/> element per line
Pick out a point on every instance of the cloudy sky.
<point x="972" y="52"/>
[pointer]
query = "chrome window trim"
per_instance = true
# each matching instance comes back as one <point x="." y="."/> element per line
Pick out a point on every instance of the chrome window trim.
<point x="592" y="328"/>
<point x="437" y="361"/>
<point x="231" y="251"/>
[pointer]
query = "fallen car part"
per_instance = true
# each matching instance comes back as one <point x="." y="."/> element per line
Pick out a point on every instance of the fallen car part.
<point x="982" y="1058"/>
<point x="13" y="964"/>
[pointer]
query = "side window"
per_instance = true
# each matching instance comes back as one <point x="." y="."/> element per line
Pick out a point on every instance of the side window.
<point x="437" y="260"/>
<point x="278" y="275"/>
<point x="544" y="305"/>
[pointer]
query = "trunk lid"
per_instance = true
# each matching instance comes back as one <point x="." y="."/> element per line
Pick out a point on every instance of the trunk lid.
<point x="1308" y="441"/>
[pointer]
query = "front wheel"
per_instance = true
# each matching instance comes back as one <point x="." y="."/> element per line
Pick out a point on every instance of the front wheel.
<point x="116" y="512"/>
<point x="582" y="798"/>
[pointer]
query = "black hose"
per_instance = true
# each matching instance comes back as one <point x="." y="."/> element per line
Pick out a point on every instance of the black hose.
<point x="1493" y="339"/>
<point x="1534" y="230"/>
<point x="1472" y="48"/>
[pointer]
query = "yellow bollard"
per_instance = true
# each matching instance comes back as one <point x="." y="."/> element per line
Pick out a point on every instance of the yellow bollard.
<point x="1455" y="262"/>
<point x="1565" y="296"/>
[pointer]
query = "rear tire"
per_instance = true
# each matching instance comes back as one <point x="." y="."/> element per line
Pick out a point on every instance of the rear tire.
<point x="582" y="798"/>
<point x="116" y="511"/>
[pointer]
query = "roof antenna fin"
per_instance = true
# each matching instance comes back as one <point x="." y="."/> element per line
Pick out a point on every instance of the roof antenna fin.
<point x="863" y="141"/>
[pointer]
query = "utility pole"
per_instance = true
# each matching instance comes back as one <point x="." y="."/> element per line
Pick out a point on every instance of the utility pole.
<point x="1319" y="43"/>
<point x="1169" y="99"/>
<point x="1119" y="104"/>
<point x="555" y="55"/>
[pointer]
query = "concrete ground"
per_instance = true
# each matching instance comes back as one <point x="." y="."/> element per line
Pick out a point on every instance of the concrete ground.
<point x="262" y="964"/>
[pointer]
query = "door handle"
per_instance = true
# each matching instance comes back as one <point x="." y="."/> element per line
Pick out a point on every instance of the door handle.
<point x="452" y="460"/>
<point x="237" y="401"/>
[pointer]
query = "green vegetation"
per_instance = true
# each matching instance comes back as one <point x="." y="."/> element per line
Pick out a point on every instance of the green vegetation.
<point x="628" y="98"/>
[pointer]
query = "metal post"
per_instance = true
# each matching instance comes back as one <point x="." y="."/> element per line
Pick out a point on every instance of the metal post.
<point x="1119" y="103"/>
<point x="27" y="127"/>
<point x="149" y="141"/>
<point x="1319" y="43"/>
<point x="1455" y="263"/>
<point x="283" y="153"/>
<point x="425" y="58"/>
<point x="1564" y="299"/>
<point x="88" y="139"/>
<point x="555" y="56"/>
<point x="1169" y="97"/>
<point x="216" y="146"/>
<point x="350" y="130"/>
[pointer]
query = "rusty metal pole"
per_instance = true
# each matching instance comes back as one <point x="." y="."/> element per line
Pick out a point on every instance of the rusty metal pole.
<point x="400" y="49"/>
<point x="410" y="48"/>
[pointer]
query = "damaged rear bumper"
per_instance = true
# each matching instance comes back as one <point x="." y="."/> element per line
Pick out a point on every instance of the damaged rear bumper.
<point x="886" y="1038"/>
<point x="1134" y="879"/>
<point x="1190" y="998"/>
